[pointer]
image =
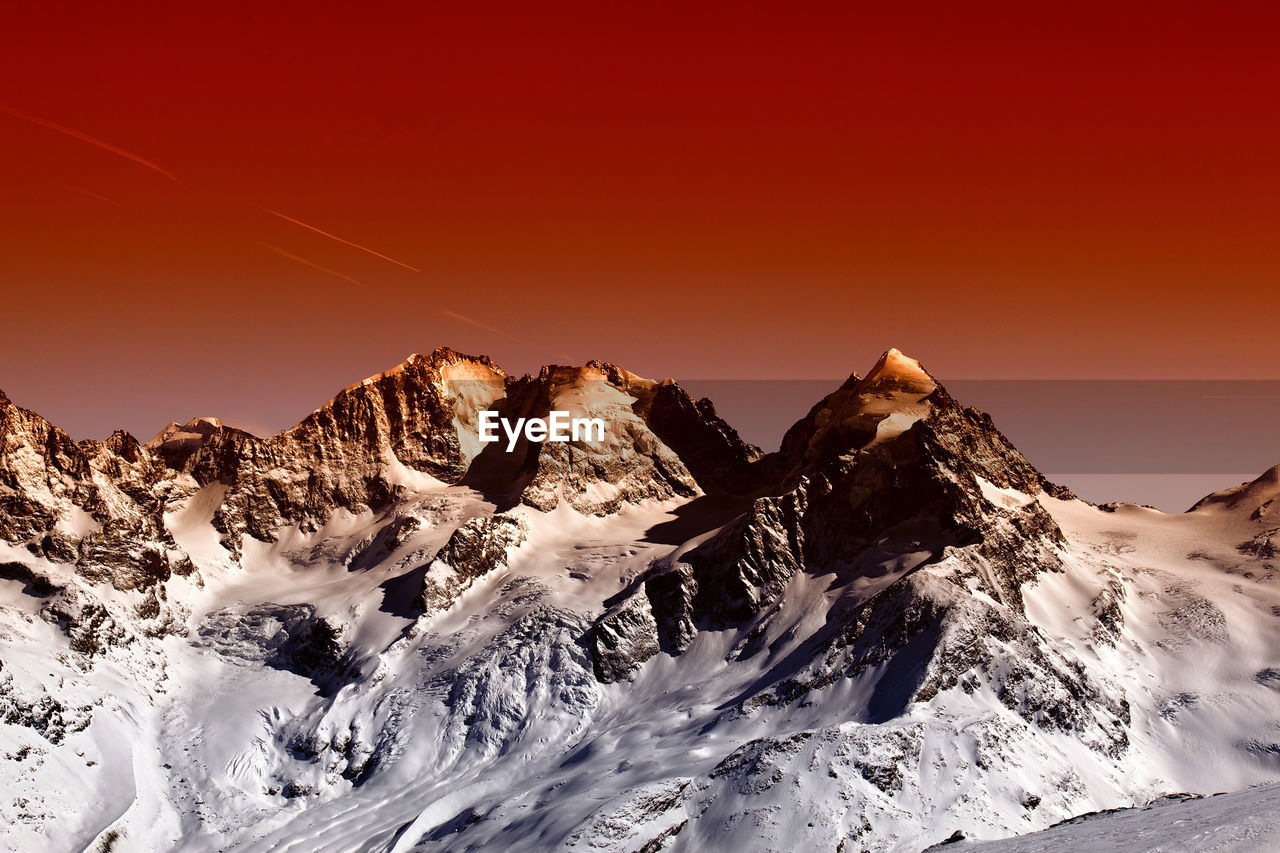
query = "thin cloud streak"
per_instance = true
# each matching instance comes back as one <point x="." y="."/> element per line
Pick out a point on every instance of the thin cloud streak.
<point x="89" y="193"/>
<point x="336" y="237"/>
<point x="461" y="318"/>
<point x="114" y="149"/>
<point x="84" y="137"/>
<point x="282" y="253"/>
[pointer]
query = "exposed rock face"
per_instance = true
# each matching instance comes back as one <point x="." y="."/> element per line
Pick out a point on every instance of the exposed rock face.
<point x="631" y="464"/>
<point x="658" y="444"/>
<point x="96" y="504"/>
<point x="41" y="713"/>
<point x="412" y="414"/>
<point x="478" y="547"/>
<point x="177" y="443"/>
<point x="44" y="475"/>
<point x="890" y="464"/>
<point x="873" y="637"/>
<point x="627" y="638"/>
<point x="370" y="444"/>
<point x="360" y="450"/>
<point x="718" y="458"/>
<point x="893" y="395"/>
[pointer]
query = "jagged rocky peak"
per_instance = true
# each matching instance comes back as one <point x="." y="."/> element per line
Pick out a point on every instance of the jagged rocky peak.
<point x="93" y="504"/>
<point x="419" y="413"/>
<point x="715" y="454"/>
<point x="885" y="475"/>
<point x="900" y="372"/>
<point x="594" y="475"/>
<point x="366" y="448"/>
<point x="40" y="473"/>
<point x="178" y="444"/>
<point x="893" y="396"/>
<point x="133" y="468"/>
<point x="901" y="398"/>
<point x="54" y="491"/>
<point x="194" y="429"/>
<point x="121" y="444"/>
<point x="456" y="374"/>
<point x="28" y="443"/>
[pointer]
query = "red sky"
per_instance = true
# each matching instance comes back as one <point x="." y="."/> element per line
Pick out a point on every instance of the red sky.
<point x="737" y="190"/>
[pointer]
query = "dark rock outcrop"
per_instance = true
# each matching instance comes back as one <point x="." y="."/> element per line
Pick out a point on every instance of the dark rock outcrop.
<point x="886" y="468"/>
<point x="478" y="547"/>
<point x="718" y="458"/>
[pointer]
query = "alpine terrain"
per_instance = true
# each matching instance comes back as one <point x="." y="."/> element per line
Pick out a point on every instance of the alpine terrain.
<point x="374" y="632"/>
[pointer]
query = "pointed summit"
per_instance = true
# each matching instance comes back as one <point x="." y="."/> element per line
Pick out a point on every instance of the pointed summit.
<point x="892" y="397"/>
<point x="442" y="363"/>
<point x="900" y="371"/>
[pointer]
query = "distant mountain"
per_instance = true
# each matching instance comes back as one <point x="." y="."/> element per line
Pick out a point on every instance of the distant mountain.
<point x="374" y="631"/>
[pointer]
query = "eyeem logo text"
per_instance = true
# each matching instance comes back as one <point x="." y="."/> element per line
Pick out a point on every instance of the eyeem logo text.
<point x="558" y="427"/>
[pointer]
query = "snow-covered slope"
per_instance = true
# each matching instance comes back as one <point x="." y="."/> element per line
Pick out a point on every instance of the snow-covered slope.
<point x="370" y="632"/>
<point x="1236" y="822"/>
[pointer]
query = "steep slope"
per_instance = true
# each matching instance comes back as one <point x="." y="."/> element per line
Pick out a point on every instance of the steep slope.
<point x="417" y="423"/>
<point x="96" y="505"/>
<point x="364" y="448"/>
<point x="718" y="458"/>
<point x="885" y="466"/>
<point x="387" y="636"/>
<point x="53" y="490"/>
<point x="631" y="464"/>
<point x="1257" y="498"/>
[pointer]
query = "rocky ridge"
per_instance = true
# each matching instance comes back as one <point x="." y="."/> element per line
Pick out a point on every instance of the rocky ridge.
<point x="889" y="629"/>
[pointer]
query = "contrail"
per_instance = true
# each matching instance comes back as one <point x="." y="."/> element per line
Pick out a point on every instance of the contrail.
<point x="282" y="253"/>
<point x="84" y="137"/>
<point x="107" y="146"/>
<point x="336" y="237"/>
<point x="89" y="193"/>
<point x="464" y="319"/>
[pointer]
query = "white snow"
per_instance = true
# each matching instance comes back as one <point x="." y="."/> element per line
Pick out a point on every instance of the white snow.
<point x="490" y="705"/>
<point x="1236" y="822"/>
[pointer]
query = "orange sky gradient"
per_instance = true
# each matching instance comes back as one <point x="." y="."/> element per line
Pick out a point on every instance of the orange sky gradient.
<point x="736" y="191"/>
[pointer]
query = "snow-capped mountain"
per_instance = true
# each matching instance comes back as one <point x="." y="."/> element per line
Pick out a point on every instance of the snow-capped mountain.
<point x="373" y="631"/>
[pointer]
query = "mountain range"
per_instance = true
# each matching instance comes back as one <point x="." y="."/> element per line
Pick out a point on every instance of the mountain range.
<point x="374" y="632"/>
